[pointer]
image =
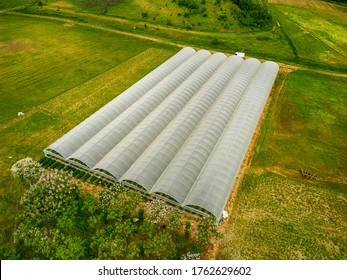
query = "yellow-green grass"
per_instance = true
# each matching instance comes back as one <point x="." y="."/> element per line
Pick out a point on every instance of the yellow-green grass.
<point x="316" y="36"/>
<point x="277" y="213"/>
<point x="50" y="65"/>
<point x="167" y="12"/>
<point x="57" y="75"/>
<point x="276" y="217"/>
<point x="325" y="26"/>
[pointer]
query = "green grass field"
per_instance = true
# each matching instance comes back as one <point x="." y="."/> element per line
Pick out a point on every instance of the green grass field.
<point x="308" y="100"/>
<point x="292" y="39"/>
<point x="59" y="63"/>
<point x="277" y="213"/>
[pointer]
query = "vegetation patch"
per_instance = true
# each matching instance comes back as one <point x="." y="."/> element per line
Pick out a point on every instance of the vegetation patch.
<point x="252" y="14"/>
<point x="307" y="100"/>
<point x="61" y="220"/>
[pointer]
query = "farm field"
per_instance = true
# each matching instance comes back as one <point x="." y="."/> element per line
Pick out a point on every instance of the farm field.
<point x="61" y="62"/>
<point x="320" y="34"/>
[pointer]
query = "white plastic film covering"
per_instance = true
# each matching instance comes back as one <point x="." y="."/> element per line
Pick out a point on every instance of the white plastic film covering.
<point x="72" y="140"/>
<point x="179" y="177"/>
<point x="119" y="159"/>
<point x="152" y="163"/>
<point x="96" y="148"/>
<point x="180" y="133"/>
<point x="213" y="186"/>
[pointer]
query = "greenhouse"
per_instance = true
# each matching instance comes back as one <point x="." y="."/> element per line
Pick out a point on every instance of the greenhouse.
<point x="180" y="133"/>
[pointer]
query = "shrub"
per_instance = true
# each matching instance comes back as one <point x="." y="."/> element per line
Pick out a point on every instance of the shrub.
<point x="187" y="229"/>
<point x="222" y="17"/>
<point x="27" y="170"/>
<point x="160" y="247"/>
<point x="215" y="41"/>
<point x="206" y="230"/>
<point x="144" y="14"/>
<point x="141" y="214"/>
<point x="190" y="4"/>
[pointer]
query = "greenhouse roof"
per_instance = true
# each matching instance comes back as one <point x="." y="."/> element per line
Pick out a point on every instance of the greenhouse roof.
<point x="180" y="133"/>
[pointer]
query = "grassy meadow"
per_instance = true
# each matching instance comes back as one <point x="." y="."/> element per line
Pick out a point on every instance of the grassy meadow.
<point x="292" y="39"/>
<point x="60" y="62"/>
<point x="277" y="213"/>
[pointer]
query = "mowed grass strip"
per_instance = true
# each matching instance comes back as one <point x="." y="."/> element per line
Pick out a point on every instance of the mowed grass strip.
<point x="80" y="102"/>
<point x="277" y="213"/>
<point x="106" y="86"/>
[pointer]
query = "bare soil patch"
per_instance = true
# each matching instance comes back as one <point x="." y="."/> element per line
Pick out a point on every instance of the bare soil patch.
<point x="61" y="4"/>
<point x="16" y="46"/>
<point x="69" y="24"/>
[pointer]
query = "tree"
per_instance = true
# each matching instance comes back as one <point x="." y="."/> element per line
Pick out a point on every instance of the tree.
<point x="160" y="247"/>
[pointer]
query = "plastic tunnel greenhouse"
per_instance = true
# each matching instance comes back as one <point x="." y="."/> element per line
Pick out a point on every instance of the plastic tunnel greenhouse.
<point x="180" y="133"/>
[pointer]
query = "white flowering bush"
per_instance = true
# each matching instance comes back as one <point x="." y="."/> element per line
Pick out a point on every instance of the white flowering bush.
<point x="161" y="213"/>
<point x="157" y="211"/>
<point x="191" y="256"/>
<point x="106" y="195"/>
<point x="53" y="192"/>
<point x="27" y="170"/>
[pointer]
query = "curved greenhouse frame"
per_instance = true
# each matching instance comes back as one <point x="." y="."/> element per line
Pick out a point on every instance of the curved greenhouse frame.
<point x="180" y="133"/>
